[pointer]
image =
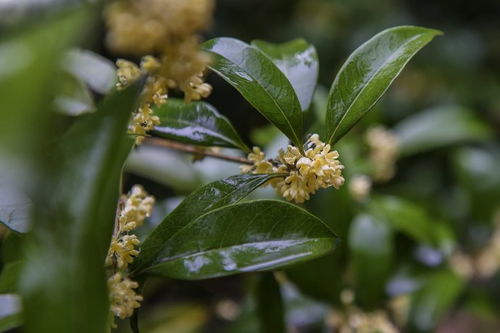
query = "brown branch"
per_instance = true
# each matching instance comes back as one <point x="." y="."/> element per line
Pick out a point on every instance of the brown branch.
<point x="194" y="150"/>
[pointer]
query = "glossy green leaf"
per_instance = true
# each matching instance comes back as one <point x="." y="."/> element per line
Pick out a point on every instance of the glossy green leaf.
<point x="73" y="97"/>
<point x="429" y="304"/>
<point x="15" y="208"/>
<point x="325" y="287"/>
<point x="13" y="247"/>
<point x="260" y="82"/>
<point x="10" y="312"/>
<point x="439" y="127"/>
<point x="298" y="60"/>
<point x="476" y="169"/>
<point x="368" y="73"/>
<point x="204" y="200"/>
<point x="29" y="58"/>
<point x="196" y="123"/>
<point x="166" y="167"/>
<point x="270" y="307"/>
<point x="370" y="242"/>
<point x="10" y="276"/>
<point x="91" y="68"/>
<point x="244" y="237"/>
<point x="73" y="224"/>
<point x="405" y="217"/>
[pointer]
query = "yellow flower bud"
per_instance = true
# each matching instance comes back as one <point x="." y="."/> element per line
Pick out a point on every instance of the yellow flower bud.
<point x="317" y="168"/>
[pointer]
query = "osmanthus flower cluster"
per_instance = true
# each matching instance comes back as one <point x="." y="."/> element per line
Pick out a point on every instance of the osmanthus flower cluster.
<point x="167" y="29"/>
<point x="485" y="263"/>
<point x="134" y="209"/>
<point x="360" y="187"/>
<point x="303" y="173"/>
<point x="384" y="149"/>
<point x="352" y="319"/>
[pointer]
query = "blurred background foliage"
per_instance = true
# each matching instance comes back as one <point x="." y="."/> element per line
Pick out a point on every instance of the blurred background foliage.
<point x="411" y="248"/>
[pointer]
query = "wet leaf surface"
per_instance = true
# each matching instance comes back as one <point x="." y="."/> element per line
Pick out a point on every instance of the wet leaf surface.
<point x="298" y="60"/>
<point x="196" y="123"/>
<point x="260" y="82"/>
<point x="73" y="224"/>
<point x="208" y="198"/>
<point x="244" y="237"/>
<point x="439" y="127"/>
<point x="15" y="209"/>
<point x="368" y="73"/>
<point x="370" y="242"/>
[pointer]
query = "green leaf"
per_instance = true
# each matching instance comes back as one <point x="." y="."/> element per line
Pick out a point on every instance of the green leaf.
<point x="440" y="127"/>
<point x="206" y="199"/>
<point x="437" y="295"/>
<point x="91" y="68"/>
<point x="260" y="82"/>
<point x="325" y="287"/>
<point x="15" y="208"/>
<point x="73" y="224"/>
<point x="244" y="237"/>
<point x="10" y="276"/>
<point x="476" y="170"/>
<point x="13" y="247"/>
<point x="74" y="98"/>
<point x="298" y="60"/>
<point x="406" y="217"/>
<point x="10" y="312"/>
<point x="165" y="167"/>
<point x="367" y="74"/>
<point x="196" y="123"/>
<point x="270" y="307"/>
<point x="370" y="242"/>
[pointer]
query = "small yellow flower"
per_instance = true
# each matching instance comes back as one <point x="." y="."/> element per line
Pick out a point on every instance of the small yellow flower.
<point x="123" y="298"/>
<point x="355" y="320"/>
<point x="169" y="28"/>
<point x="127" y="73"/>
<point x="137" y="205"/>
<point x="317" y="168"/>
<point x="360" y="187"/>
<point x="384" y="149"/>
<point x="150" y="64"/>
<point x="146" y="26"/>
<point x="142" y="121"/>
<point x="124" y="250"/>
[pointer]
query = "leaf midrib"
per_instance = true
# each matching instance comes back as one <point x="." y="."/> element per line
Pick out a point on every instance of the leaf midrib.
<point x="368" y="82"/>
<point x="301" y="241"/>
<point x="210" y="209"/>
<point x="236" y="203"/>
<point x="211" y="131"/>
<point x="297" y="141"/>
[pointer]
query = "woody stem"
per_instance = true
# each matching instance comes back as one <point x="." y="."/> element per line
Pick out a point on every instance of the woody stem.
<point x="194" y="150"/>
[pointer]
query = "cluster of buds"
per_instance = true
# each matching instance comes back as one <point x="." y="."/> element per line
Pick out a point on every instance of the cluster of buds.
<point x="354" y="320"/>
<point x="123" y="297"/>
<point x="483" y="265"/>
<point x="135" y="208"/>
<point x="138" y="206"/>
<point x="159" y="81"/>
<point x="357" y="321"/>
<point x="168" y="28"/>
<point x="384" y="149"/>
<point x="360" y="187"/>
<point x="123" y="250"/>
<point x="145" y="26"/>
<point x="304" y="173"/>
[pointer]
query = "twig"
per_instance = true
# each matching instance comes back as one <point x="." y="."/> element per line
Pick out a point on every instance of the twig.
<point x="194" y="150"/>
